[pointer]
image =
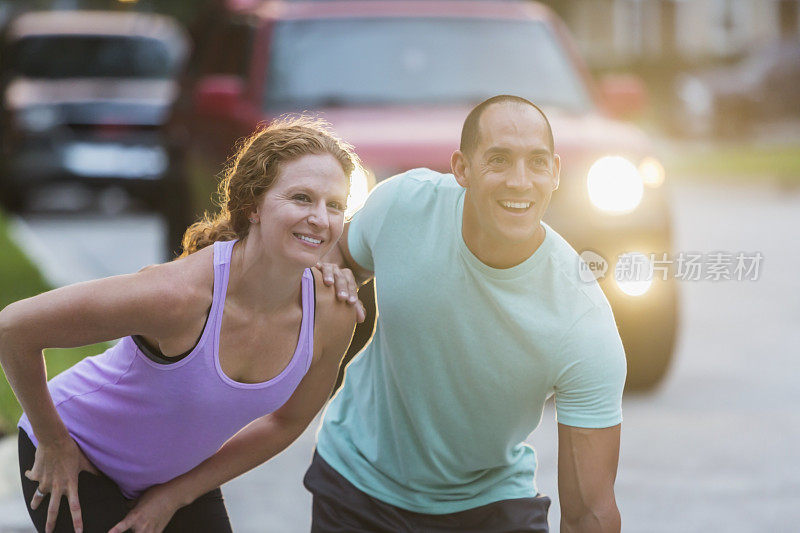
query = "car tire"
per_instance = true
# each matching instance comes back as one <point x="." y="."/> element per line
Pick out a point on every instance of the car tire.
<point x="178" y="215"/>
<point x="172" y="199"/>
<point x="650" y="342"/>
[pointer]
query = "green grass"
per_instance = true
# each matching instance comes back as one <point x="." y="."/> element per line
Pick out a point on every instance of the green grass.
<point x="737" y="163"/>
<point x="20" y="279"/>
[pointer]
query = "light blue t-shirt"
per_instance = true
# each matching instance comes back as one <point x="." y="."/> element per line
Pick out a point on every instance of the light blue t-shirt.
<point x="434" y="411"/>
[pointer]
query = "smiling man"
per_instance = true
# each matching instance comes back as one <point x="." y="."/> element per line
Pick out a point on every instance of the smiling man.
<point x="482" y="316"/>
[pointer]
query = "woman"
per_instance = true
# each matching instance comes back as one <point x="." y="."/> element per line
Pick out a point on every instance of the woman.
<point x="238" y="329"/>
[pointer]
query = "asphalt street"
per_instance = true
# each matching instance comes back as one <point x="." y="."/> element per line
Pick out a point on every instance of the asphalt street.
<point x="713" y="449"/>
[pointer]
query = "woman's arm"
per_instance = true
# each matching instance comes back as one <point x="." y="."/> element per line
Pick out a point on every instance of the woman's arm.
<point x="263" y="438"/>
<point x="150" y="302"/>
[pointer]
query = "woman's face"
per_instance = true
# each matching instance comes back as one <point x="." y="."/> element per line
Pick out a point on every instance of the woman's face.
<point x="302" y="215"/>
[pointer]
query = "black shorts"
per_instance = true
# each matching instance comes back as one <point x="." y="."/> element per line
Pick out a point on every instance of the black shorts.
<point x="103" y="506"/>
<point x="341" y="507"/>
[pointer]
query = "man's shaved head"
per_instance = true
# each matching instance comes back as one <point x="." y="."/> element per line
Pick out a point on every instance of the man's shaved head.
<point x="470" y="133"/>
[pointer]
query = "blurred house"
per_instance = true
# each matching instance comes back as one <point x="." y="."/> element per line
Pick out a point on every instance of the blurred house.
<point x="616" y="33"/>
<point x="709" y="65"/>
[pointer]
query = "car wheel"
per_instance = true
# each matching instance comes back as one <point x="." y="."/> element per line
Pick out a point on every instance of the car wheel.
<point x="172" y="199"/>
<point x="649" y="342"/>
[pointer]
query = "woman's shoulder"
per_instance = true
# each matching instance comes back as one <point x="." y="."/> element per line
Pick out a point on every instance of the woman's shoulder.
<point x="334" y="318"/>
<point x="183" y="284"/>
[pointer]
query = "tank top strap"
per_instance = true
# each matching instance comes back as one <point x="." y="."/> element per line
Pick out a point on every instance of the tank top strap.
<point x="222" y="269"/>
<point x="308" y="287"/>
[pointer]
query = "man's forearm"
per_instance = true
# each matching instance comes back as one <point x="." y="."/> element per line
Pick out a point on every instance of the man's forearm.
<point x="252" y="446"/>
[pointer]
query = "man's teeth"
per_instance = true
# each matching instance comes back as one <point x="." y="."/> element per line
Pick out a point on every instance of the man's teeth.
<point x="517" y="205"/>
<point x="308" y="239"/>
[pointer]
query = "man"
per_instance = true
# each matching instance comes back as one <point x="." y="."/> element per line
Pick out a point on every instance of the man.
<point x="482" y="315"/>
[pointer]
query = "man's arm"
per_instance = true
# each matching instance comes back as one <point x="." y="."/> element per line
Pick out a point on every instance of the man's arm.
<point x="587" y="469"/>
<point x="340" y="256"/>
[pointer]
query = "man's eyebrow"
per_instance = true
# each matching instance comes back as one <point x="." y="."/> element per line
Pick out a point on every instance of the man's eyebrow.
<point x="497" y="149"/>
<point x="503" y="150"/>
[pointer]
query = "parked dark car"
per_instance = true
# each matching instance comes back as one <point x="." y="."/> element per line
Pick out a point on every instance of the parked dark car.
<point x="85" y="95"/>
<point x="397" y="79"/>
<point x="731" y="100"/>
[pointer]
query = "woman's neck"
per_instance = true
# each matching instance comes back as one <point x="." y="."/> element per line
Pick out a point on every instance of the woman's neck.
<point x="261" y="281"/>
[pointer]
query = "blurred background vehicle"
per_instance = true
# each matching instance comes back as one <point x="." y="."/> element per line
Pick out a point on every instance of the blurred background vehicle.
<point x="397" y="79"/>
<point x="84" y="96"/>
<point x="731" y="100"/>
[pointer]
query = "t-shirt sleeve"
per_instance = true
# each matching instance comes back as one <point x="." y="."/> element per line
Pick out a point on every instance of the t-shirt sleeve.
<point x="366" y="224"/>
<point x="588" y="390"/>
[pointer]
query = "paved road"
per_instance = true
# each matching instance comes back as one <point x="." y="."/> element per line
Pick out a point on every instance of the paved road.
<point x="715" y="448"/>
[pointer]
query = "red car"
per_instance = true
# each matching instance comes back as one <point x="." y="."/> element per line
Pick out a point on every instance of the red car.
<point x="397" y="79"/>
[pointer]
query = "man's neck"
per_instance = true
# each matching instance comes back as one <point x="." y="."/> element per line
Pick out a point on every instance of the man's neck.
<point x="494" y="253"/>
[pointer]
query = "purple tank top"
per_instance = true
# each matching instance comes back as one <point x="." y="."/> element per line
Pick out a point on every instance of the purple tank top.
<point x="144" y="423"/>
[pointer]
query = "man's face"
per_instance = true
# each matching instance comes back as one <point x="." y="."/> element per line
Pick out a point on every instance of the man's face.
<point x="509" y="178"/>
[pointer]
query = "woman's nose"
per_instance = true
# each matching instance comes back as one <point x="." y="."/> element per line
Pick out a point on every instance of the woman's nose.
<point x="319" y="216"/>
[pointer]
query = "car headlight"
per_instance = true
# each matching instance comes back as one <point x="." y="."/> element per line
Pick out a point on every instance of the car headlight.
<point x="652" y="172"/>
<point x="615" y="184"/>
<point x="633" y="273"/>
<point x="359" y="190"/>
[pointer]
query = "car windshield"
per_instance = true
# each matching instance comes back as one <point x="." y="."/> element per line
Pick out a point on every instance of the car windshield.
<point x="317" y="63"/>
<point x="82" y="56"/>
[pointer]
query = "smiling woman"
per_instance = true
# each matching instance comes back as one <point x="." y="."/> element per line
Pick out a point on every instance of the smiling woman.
<point x="236" y="332"/>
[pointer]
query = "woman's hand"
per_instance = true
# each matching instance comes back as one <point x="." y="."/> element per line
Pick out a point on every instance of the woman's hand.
<point x="153" y="511"/>
<point x="56" y="468"/>
<point x="344" y="283"/>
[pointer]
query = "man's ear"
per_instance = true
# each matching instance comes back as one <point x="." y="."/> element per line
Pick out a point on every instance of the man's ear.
<point x="556" y="171"/>
<point x="458" y="164"/>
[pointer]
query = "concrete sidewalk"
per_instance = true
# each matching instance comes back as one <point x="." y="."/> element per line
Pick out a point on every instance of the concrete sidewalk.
<point x="13" y="515"/>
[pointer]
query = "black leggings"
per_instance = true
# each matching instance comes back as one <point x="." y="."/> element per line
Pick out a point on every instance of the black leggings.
<point x="103" y="506"/>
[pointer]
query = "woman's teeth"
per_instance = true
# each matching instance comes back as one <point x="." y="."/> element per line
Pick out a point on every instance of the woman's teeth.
<point x="307" y="239"/>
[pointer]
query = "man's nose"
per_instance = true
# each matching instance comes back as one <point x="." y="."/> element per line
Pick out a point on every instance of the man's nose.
<point x="518" y="178"/>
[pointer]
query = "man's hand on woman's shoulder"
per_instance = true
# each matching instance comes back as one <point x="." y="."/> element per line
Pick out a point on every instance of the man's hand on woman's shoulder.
<point x="343" y="282"/>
